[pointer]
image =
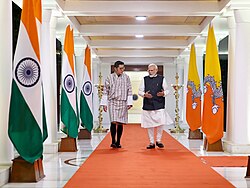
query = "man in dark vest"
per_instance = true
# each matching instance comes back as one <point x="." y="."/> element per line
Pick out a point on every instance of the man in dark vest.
<point x="153" y="89"/>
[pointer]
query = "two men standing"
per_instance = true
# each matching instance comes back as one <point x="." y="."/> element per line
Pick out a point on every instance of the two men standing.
<point x="117" y="98"/>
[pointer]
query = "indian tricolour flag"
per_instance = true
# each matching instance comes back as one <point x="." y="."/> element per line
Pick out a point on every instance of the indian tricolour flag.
<point x="69" y="113"/>
<point x="25" y="116"/>
<point x="86" y="113"/>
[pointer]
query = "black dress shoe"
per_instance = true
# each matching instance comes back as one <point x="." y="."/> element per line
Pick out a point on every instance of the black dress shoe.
<point x="118" y="145"/>
<point x="151" y="146"/>
<point x="113" y="146"/>
<point x="159" y="144"/>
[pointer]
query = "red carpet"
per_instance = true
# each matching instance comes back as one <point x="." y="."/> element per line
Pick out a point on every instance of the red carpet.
<point x="225" y="161"/>
<point x="135" y="166"/>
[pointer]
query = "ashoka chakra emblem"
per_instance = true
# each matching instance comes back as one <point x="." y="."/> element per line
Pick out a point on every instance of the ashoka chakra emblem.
<point x="69" y="83"/>
<point x="27" y="72"/>
<point x="87" y="88"/>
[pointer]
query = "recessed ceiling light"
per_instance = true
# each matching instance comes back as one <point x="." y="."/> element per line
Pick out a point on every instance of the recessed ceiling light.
<point x="141" y="18"/>
<point x="139" y="36"/>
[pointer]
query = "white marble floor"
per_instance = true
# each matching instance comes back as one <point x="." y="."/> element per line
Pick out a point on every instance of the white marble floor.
<point x="58" y="172"/>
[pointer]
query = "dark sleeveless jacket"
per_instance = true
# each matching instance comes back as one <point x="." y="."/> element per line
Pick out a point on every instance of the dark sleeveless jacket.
<point x="153" y="85"/>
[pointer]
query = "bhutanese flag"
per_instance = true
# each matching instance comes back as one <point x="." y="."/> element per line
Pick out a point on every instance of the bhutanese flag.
<point x="38" y="15"/>
<point x="69" y="113"/>
<point x="193" y="106"/>
<point x="213" y="107"/>
<point x="25" y="116"/>
<point x="86" y="113"/>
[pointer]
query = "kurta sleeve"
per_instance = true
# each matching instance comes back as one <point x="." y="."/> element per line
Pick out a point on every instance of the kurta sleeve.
<point x="165" y="87"/>
<point x="141" y="91"/>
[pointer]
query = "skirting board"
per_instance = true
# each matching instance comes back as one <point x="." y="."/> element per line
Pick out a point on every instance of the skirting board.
<point x="236" y="148"/>
<point x="50" y="148"/>
<point x="4" y="175"/>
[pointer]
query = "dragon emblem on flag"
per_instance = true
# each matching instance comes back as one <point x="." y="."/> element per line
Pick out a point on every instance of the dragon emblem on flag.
<point x="196" y="93"/>
<point x="216" y="91"/>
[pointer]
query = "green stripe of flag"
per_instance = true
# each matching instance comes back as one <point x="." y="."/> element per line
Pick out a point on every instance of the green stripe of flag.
<point x="85" y="113"/>
<point x="68" y="116"/>
<point x="24" y="131"/>
<point x="45" y="130"/>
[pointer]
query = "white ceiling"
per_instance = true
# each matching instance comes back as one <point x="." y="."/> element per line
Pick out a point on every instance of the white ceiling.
<point x="108" y="29"/>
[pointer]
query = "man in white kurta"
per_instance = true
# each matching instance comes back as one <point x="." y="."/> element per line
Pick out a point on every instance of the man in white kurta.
<point x="153" y="89"/>
<point x="117" y="98"/>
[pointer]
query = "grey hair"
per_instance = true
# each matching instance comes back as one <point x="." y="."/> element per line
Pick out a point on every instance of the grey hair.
<point x="153" y="65"/>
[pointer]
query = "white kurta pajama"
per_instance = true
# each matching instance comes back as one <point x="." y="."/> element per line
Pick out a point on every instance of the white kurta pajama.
<point x="154" y="118"/>
<point x="117" y="95"/>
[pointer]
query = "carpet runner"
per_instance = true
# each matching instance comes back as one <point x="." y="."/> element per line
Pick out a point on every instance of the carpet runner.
<point x="135" y="166"/>
<point x="225" y="161"/>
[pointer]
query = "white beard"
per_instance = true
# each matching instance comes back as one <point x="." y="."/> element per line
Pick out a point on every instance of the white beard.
<point x="151" y="76"/>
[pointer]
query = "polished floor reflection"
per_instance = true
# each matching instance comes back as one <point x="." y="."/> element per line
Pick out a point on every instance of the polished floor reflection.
<point x="59" y="167"/>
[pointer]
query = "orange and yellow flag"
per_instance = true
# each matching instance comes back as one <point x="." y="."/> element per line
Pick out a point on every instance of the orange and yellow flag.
<point x="213" y="107"/>
<point x="193" y="105"/>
